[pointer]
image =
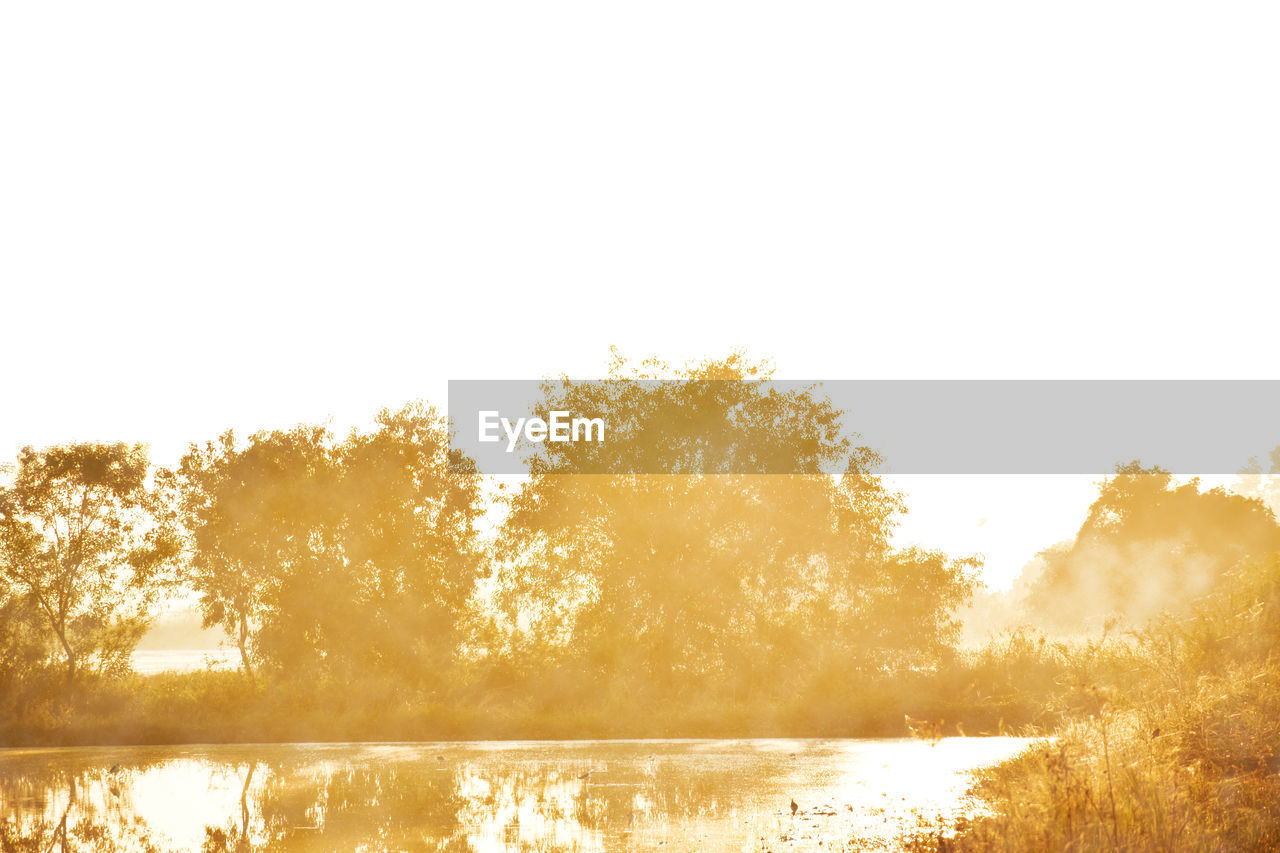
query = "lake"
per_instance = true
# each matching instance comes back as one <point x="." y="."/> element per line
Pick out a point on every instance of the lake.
<point x="669" y="795"/>
<point x="152" y="661"/>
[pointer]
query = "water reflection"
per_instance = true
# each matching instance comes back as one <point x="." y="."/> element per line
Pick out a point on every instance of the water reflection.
<point x="545" y="796"/>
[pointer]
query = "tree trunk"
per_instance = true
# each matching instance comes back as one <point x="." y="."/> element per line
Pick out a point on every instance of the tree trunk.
<point x="242" y="641"/>
<point x="71" y="656"/>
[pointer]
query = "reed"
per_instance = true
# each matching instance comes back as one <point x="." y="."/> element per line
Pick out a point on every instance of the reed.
<point x="1171" y="740"/>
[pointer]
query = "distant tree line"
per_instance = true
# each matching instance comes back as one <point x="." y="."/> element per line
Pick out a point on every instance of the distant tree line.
<point x="1149" y="545"/>
<point x="340" y="560"/>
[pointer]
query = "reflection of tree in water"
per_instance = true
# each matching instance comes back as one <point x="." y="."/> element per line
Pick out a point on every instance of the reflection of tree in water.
<point x="88" y="811"/>
<point x="422" y="806"/>
<point x="417" y="805"/>
<point x="344" y="807"/>
<point x="291" y="807"/>
<point x="527" y="802"/>
<point x="233" y="837"/>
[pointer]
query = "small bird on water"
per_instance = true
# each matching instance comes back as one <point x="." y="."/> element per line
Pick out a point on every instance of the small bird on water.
<point x="794" y="806"/>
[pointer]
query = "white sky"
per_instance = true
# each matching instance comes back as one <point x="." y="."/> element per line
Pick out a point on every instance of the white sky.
<point x="252" y="214"/>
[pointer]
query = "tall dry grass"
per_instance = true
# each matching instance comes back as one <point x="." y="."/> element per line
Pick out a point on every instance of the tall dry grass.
<point x="1170" y="739"/>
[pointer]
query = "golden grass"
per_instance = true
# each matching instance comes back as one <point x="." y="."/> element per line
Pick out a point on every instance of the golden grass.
<point x="1171" y="741"/>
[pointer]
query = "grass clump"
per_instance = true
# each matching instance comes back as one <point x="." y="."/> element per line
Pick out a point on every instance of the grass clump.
<point x="1170" y="740"/>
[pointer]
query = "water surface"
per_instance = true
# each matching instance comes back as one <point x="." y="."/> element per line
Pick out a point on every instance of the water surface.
<point x="151" y="661"/>
<point x="708" y="795"/>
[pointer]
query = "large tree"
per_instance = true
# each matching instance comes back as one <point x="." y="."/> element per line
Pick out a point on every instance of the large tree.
<point x="733" y="562"/>
<point x="328" y="557"/>
<point x="255" y="515"/>
<point x="83" y="541"/>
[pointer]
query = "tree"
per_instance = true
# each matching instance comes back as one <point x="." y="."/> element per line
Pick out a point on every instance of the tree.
<point x="409" y="505"/>
<point x="325" y="557"/>
<point x="254" y="515"/>
<point x="1262" y="481"/>
<point x="24" y="650"/>
<point x="83" y="539"/>
<point x="1149" y="544"/>
<point x="733" y="563"/>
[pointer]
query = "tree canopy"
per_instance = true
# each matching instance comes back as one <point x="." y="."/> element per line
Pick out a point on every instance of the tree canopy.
<point x="325" y="557"/>
<point x="1149" y="544"/>
<point x="83" y="543"/>
<point x="677" y="581"/>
